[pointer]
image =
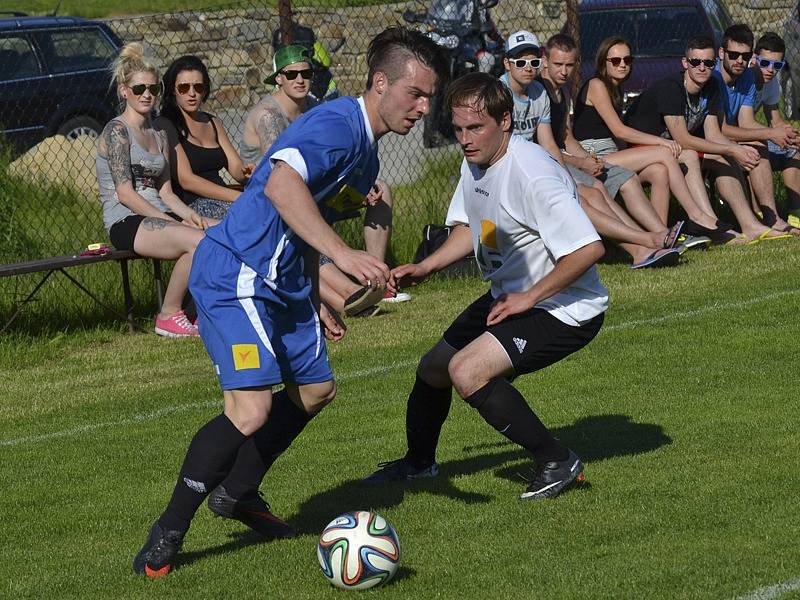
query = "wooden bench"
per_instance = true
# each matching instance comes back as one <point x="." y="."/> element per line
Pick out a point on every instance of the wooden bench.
<point x="59" y="264"/>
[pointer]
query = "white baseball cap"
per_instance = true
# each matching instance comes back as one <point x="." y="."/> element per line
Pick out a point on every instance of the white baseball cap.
<point x="519" y="41"/>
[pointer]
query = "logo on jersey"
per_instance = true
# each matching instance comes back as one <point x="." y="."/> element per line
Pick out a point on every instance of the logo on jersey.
<point x="245" y="356"/>
<point x="520" y="343"/>
<point x="489" y="257"/>
<point x="348" y="199"/>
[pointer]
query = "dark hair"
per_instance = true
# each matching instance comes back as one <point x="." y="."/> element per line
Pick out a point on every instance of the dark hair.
<point x="169" y="105"/>
<point x="739" y="33"/>
<point x="561" y="41"/>
<point x="390" y="50"/>
<point x="601" y="64"/>
<point x="483" y="90"/>
<point x="771" y="42"/>
<point x="699" y="42"/>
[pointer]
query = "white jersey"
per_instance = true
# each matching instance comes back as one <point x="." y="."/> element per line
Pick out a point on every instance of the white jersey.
<point x="523" y="213"/>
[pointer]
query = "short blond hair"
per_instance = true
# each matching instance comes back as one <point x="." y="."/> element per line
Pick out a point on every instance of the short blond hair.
<point x="132" y="60"/>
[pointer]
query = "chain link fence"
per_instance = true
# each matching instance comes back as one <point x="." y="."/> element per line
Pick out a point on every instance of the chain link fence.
<point x="55" y="98"/>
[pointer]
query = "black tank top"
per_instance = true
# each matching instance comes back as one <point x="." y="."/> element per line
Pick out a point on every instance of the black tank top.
<point x="558" y="112"/>
<point x="587" y="124"/>
<point x="205" y="162"/>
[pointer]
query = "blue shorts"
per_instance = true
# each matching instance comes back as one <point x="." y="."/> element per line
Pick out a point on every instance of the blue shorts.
<point x="253" y="339"/>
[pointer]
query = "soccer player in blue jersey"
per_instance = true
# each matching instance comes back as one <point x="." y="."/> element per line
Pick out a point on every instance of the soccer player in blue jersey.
<point x="254" y="284"/>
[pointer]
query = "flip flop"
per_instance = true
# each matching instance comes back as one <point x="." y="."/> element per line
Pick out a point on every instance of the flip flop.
<point x="794" y="218"/>
<point x="362" y="299"/>
<point x="672" y="235"/>
<point x="764" y="236"/>
<point x="666" y="257"/>
<point x="738" y="240"/>
<point x="790" y="229"/>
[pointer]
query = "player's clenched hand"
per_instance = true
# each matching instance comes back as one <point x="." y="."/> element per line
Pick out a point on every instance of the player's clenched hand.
<point x="507" y="305"/>
<point x="409" y="274"/>
<point x="332" y="325"/>
<point x="375" y="194"/>
<point x="747" y="156"/>
<point x="367" y="269"/>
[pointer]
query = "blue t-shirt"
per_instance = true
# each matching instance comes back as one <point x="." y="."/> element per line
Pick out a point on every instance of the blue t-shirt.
<point x="743" y="93"/>
<point x="333" y="149"/>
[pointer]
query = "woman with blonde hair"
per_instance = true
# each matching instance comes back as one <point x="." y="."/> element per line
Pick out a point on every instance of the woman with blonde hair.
<point x="140" y="210"/>
<point x="597" y="125"/>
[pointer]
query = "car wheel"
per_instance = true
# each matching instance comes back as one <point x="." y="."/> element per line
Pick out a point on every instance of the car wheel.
<point x="77" y="126"/>
<point x="789" y="96"/>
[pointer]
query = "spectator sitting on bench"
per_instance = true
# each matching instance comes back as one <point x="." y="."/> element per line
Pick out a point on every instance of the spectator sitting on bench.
<point x="738" y="91"/>
<point x="769" y="60"/>
<point x="597" y="124"/>
<point x="266" y="120"/>
<point x="140" y="210"/>
<point x="199" y="145"/>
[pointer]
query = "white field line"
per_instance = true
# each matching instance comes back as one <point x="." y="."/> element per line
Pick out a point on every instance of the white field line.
<point x="716" y="307"/>
<point x="773" y="591"/>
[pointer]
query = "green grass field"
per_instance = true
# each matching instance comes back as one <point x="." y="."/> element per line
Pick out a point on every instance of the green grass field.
<point x="684" y="409"/>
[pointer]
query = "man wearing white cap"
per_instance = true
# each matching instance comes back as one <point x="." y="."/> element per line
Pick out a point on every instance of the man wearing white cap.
<point x="522" y="60"/>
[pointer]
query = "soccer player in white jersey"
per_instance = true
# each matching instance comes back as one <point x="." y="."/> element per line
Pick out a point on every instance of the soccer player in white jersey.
<point x="517" y="209"/>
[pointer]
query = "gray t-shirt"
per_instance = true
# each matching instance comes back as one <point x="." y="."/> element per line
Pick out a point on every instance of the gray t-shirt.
<point x="530" y="111"/>
<point x="147" y="170"/>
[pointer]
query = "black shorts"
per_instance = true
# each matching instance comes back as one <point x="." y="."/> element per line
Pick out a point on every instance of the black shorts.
<point x="533" y="340"/>
<point x="123" y="233"/>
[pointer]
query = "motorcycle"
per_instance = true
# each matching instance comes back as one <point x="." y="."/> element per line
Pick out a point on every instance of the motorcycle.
<point x="465" y="28"/>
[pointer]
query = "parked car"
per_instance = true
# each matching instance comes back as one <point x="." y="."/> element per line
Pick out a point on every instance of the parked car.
<point x="790" y="76"/>
<point x="656" y="29"/>
<point x="54" y="78"/>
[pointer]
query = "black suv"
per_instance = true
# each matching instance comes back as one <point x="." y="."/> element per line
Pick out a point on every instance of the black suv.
<point x="54" y="78"/>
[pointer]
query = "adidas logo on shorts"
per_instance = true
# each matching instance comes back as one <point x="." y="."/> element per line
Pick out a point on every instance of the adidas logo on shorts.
<point x="520" y="344"/>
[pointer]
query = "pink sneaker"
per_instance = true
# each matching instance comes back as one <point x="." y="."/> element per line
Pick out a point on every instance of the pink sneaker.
<point x="178" y="325"/>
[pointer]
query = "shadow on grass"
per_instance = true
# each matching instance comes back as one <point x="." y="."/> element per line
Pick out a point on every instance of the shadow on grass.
<point x="594" y="438"/>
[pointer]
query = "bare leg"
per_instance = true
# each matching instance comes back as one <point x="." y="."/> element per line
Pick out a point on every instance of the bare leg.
<point x="335" y="287"/>
<point x="658" y="178"/>
<point x="378" y="222"/>
<point x="639" y="206"/>
<point x="159" y="238"/>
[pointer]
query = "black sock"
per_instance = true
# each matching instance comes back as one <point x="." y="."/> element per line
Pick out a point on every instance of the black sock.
<point x="286" y="421"/>
<point x="210" y="455"/>
<point x="425" y="414"/>
<point x="504" y="408"/>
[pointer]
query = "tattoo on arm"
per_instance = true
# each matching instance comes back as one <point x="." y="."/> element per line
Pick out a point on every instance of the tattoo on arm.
<point x="119" y="152"/>
<point x="154" y="223"/>
<point x="268" y="128"/>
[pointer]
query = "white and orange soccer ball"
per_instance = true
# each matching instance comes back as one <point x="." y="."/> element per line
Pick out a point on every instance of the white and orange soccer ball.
<point x="359" y="550"/>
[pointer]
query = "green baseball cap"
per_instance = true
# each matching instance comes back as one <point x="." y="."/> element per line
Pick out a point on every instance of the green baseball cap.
<point x="288" y="55"/>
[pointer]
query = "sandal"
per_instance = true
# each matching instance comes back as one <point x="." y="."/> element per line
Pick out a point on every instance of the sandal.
<point x="666" y="257"/>
<point x="672" y="235"/>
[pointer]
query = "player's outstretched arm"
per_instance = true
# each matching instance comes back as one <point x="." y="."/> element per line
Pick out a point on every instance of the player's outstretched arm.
<point x="456" y="247"/>
<point x="567" y="270"/>
<point x="292" y="199"/>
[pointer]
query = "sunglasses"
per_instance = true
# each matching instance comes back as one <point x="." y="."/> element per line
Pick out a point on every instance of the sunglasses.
<point x="710" y="63"/>
<point x="183" y="88"/>
<point x="746" y="56"/>
<point x="292" y="75"/>
<point x="628" y="60"/>
<point x="521" y="63"/>
<point x="139" y="88"/>
<point x="766" y="63"/>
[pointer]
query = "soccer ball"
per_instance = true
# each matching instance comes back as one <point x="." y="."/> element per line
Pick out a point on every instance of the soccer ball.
<point x="359" y="550"/>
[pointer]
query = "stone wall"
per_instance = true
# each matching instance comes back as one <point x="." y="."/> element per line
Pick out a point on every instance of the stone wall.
<point x="236" y="44"/>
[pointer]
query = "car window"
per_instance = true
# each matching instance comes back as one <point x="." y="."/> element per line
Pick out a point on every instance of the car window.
<point x="17" y="59"/>
<point x="79" y="50"/>
<point x="651" y="33"/>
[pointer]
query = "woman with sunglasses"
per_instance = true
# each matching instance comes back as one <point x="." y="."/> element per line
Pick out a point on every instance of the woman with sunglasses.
<point x="199" y="146"/>
<point x="597" y="124"/>
<point x="140" y="210"/>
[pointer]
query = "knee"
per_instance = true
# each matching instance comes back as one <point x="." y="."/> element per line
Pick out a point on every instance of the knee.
<point x="323" y="395"/>
<point x="432" y="371"/>
<point x="462" y="374"/>
<point x="691" y="159"/>
<point x="250" y="419"/>
<point x="386" y="192"/>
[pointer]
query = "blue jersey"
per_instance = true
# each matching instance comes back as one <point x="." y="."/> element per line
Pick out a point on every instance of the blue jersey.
<point x="743" y="93"/>
<point x="333" y="149"/>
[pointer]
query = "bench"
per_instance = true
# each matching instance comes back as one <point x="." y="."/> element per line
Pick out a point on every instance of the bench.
<point x="59" y="264"/>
